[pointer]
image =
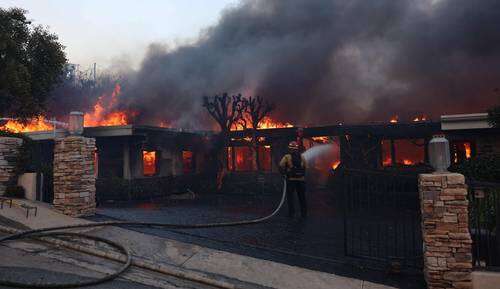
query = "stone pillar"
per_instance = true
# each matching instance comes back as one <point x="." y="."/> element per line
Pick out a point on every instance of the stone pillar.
<point x="445" y="230"/>
<point x="9" y="148"/>
<point x="74" y="180"/>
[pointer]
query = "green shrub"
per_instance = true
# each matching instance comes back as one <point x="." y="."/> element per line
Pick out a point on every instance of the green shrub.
<point x="14" y="192"/>
<point x="485" y="168"/>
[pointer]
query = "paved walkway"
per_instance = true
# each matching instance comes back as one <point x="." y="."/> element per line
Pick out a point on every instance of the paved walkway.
<point x="195" y="258"/>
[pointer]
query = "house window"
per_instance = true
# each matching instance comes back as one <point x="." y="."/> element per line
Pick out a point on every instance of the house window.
<point x="243" y="158"/>
<point x="265" y="161"/>
<point x="187" y="162"/>
<point x="460" y="151"/>
<point x="386" y="153"/>
<point x="403" y="152"/>
<point x="149" y="162"/>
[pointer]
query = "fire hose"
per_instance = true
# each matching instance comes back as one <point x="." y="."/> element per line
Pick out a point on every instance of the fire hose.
<point x="56" y="232"/>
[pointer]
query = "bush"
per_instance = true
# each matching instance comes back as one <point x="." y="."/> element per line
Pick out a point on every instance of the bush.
<point x="14" y="192"/>
<point x="484" y="168"/>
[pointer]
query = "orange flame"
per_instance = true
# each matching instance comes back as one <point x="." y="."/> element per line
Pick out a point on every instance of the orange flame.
<point x="335" y="165"/>
<point x="266" y="123"/>
<point x="420" y="118"/>
<point x="394" y="119"/>
<point x="468" y="151"/>
<point x="36" y="124"/>
<point x="407" y="162"/>
<point x="321" y="139"/>
<point x="104" y="113"/>
<point x="149" y="162"/>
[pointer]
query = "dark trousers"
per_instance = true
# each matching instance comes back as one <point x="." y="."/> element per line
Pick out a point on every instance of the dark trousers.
<point x="300" y="188"/>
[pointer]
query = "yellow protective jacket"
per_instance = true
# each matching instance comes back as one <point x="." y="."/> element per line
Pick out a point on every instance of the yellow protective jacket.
<point x="286" y="165"/>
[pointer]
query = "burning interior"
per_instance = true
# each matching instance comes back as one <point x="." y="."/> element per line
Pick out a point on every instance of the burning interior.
<point x="150" y="153"/>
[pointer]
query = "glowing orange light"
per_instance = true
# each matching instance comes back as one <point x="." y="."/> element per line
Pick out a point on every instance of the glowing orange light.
<point x="149" y="162"/>
<point x="468" y="151"/>
<point x="266" y="123"/>
<point x="164" y="124"/>
<point x="105" y="112"/>
<point x="321" y="139"/>
<point x="394" y="119"/>
<point x="407" y="162"/>
<point x="335" y="165"/>
<point x="387" y="162"/>
<point x="420" y="118"/>
<point x="36" y="124"/>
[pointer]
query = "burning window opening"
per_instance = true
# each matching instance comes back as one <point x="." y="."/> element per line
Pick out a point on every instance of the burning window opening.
<point x="242" y="158"/>
<point x="403" y="152"/>
<point x="461" y="151"/>
<point x="187" y="162"/>
<point x="149" y="162"/>
<point x="35" y="124"/>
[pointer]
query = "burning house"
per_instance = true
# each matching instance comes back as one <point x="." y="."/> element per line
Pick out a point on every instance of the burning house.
<point x="152" y="158"/>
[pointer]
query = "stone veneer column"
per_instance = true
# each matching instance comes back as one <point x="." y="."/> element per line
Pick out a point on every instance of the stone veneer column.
<point x="9" y="148"/>
<point x="445" y="229"/>
<point x="74" y="180"/>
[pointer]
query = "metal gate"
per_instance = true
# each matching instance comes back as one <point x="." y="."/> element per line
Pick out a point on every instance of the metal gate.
<point x="382" y="219"/>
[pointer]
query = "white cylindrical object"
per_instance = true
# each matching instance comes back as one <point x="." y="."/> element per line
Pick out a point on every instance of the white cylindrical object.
<point x="439" y="153"/>
<point x="75" y="123"/>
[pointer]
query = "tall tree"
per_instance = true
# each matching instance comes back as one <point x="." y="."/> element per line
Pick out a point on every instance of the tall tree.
<point x="257" y="109"/>
<point x="31" y="63"/>
<point x="226" y="111"/>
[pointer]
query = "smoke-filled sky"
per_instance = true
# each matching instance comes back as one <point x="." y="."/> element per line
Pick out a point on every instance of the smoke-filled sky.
<point x="328" y="61"/>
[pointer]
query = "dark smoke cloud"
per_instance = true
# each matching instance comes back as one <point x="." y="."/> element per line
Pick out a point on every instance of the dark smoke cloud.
<point x="329" y="61"/>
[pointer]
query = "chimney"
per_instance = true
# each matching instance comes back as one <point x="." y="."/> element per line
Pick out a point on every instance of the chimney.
<point x="76" y="123"/>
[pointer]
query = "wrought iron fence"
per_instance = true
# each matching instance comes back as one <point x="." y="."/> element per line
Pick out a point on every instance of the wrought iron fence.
<point x="382" y="218"/>
<point x="484" y="205"/>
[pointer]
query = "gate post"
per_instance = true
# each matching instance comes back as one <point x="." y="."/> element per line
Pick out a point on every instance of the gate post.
<point x="9" y="149"/>
<point x="445" y="230"/>
<point x="74" y="180"/>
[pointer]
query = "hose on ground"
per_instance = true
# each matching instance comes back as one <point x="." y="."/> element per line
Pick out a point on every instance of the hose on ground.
<point x="56" y="232"/>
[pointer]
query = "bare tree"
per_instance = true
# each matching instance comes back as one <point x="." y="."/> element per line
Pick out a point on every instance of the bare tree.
<point x="227" y="111"/>
<point x="257" y="109"/>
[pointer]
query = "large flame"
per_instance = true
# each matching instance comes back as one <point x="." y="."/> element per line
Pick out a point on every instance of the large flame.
<point x="36" y="124"/>
<point x="149" y="162"/>
<point x="266" y="123"/>
<point x="105" y="112"/>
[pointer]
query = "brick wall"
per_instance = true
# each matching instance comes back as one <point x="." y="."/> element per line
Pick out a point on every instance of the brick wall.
<point x="74" y="180"/>
<point x="9" y="147"/>
<point x="445" y="229"/>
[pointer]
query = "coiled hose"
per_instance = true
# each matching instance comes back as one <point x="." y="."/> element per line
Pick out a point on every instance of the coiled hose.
<point x="49" y="232"/>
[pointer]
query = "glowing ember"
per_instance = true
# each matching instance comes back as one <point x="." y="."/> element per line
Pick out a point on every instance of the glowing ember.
<point x="387" y="162"/>
<point x="105" y="113"/>
<point x="266" y="123"/>
<point x="321" y="139"/>
<point x="420" y="118"/>
<point x="164" y="124"/>
<point x="149" y="162"/>
<point x="468" y="151"/>
<point x="394" y="119"/>
<point x="335" y="165"/>
<point x="407" y="162"/>
<point x="37" y="124"/>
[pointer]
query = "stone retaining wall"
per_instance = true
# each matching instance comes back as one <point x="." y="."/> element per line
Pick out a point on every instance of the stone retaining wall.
<point x="9" y="148"/>
<point x="74" y="180"/>
<point x="445" y="229"/>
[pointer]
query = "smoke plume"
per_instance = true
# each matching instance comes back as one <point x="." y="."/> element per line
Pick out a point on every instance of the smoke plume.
<point x="329" y="61"/>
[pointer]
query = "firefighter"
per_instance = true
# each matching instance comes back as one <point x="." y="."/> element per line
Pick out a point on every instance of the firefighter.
<point x="293" y="165"/>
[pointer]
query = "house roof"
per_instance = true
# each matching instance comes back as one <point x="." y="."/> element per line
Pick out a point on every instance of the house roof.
<point x="465" y="121"/>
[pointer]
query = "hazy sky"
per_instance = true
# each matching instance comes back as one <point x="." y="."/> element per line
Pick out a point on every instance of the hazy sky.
<point x="104" y="30"/>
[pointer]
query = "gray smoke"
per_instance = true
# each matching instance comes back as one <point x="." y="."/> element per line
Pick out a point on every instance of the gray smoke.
<point x="329" y="61"/>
